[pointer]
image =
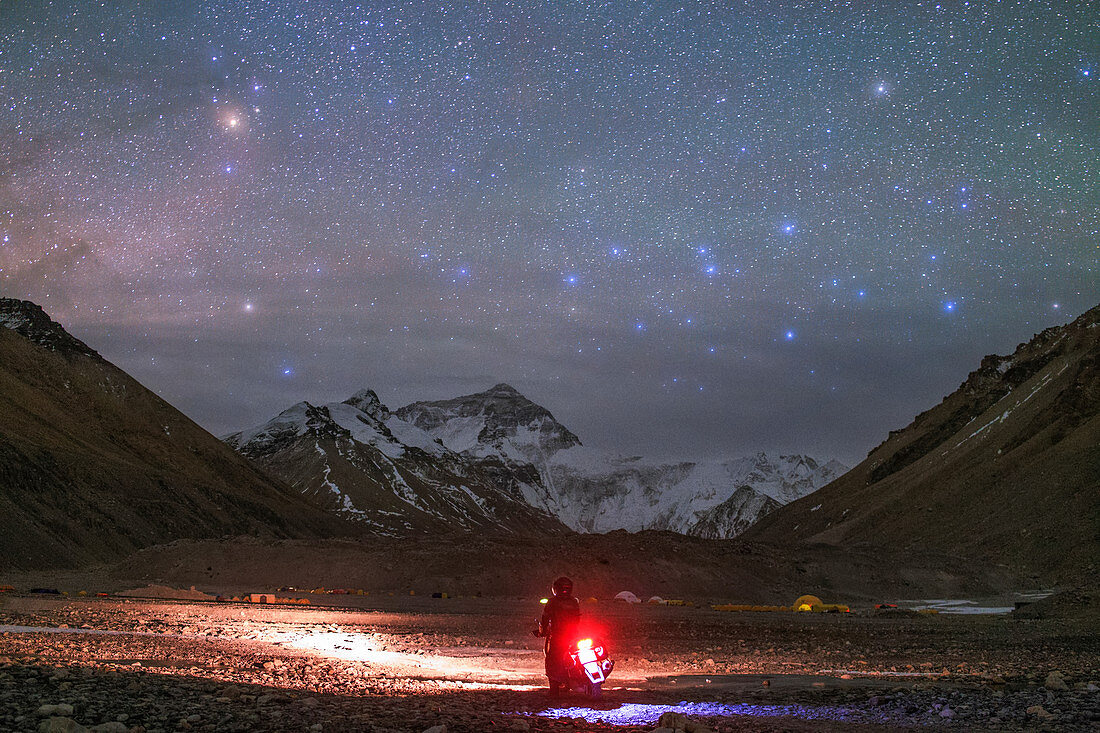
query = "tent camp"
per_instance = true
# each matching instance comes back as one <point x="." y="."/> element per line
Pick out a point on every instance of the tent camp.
<point x="627" y="597"/>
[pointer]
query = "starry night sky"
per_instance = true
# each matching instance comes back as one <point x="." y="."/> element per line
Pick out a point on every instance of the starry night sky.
<point x="687" y="229"/>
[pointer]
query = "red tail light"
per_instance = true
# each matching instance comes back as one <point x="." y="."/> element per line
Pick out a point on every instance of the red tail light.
<point x="584" y="644"/>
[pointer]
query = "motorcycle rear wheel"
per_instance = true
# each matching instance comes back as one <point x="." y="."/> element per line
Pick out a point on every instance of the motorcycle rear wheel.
<point x="593" y="690"/>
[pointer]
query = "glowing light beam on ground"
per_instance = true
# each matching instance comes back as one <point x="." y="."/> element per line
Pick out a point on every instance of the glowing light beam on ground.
<point x="648" y="714"/>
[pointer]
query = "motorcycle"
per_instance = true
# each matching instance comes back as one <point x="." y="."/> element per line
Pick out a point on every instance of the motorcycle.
<point x="584" y="670"/>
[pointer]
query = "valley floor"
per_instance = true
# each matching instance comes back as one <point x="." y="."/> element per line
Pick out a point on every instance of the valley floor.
<point x="411" y="663"/>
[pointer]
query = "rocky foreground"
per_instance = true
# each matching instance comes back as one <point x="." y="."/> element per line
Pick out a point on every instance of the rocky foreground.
<point x="470" y="665"/>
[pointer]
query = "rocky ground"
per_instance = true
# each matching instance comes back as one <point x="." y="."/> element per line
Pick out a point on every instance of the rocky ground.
<point x="418" y="664"/>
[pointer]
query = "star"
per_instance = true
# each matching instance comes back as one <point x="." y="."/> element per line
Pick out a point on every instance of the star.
<point x="462" y="227"/>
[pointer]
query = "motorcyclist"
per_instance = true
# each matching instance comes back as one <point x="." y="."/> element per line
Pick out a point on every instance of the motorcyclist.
<point x="558" y="624"/>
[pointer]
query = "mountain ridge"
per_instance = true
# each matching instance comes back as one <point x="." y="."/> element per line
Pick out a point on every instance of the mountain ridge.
<point x="1006" y="469"/>
<point x="93" y="465"/>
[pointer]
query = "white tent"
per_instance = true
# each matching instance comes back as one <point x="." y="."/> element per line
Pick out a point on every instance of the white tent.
<point x="627" y="597"/>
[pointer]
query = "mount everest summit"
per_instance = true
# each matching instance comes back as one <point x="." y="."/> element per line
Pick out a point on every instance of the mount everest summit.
<point x="497" y="459"/>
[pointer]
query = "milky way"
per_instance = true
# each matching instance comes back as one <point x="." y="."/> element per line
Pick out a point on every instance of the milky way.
<point x="695" y="230"/>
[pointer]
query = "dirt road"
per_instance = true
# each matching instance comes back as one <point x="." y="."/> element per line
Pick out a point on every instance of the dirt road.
<point x="408" y="664"/>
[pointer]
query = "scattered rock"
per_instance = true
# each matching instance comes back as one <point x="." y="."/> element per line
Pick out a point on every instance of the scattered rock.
<point x="1055" y="681"/>
<point x="61" y="725"/>
<point x="270" y="698"/>
<point x="693" y="727"/>
<point x="675" y="721"/>
<point x="114" y="726"/>
<point x="62" y="710"/>
<point x="442" y="728"/>
<point x="1040" y="712"/>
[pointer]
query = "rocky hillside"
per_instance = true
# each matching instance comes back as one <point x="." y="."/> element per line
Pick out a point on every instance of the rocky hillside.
<point x="93" y="465"/>
<point x="1005" y="470"/>
<point x="357" y="458"/>
<point x="595" y="491"/>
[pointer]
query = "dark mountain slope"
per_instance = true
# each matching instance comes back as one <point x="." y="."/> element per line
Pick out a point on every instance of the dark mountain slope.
<point x="93" y="465"/>
<point x="1006" y="470"/>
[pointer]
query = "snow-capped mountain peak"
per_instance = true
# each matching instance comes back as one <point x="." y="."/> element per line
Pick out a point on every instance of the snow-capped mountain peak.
<point x="365" y="400"/>
<point x="362" y="418"/>
<point x="357" y="458"/>
<point x="592" y="490"/>
<point x="499" y="422"/>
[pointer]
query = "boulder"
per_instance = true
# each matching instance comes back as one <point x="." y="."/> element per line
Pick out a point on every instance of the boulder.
<point x="61" y="725"/>
<point x="1055" y="681"/>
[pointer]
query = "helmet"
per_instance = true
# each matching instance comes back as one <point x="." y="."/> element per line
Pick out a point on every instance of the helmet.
<point x="563" y="586"/>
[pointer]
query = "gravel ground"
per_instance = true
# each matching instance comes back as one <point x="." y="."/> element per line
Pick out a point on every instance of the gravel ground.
<point x="413" y="664"/>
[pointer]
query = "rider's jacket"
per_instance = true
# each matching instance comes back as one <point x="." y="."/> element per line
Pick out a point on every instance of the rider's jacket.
<point x="559" y="618"/>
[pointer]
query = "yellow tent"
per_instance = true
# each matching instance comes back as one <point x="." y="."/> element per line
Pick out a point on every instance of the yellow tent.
<point x="807" y="603"/>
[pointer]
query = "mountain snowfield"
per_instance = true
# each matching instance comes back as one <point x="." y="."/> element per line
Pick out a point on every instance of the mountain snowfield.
<point x="592" y="490"/>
